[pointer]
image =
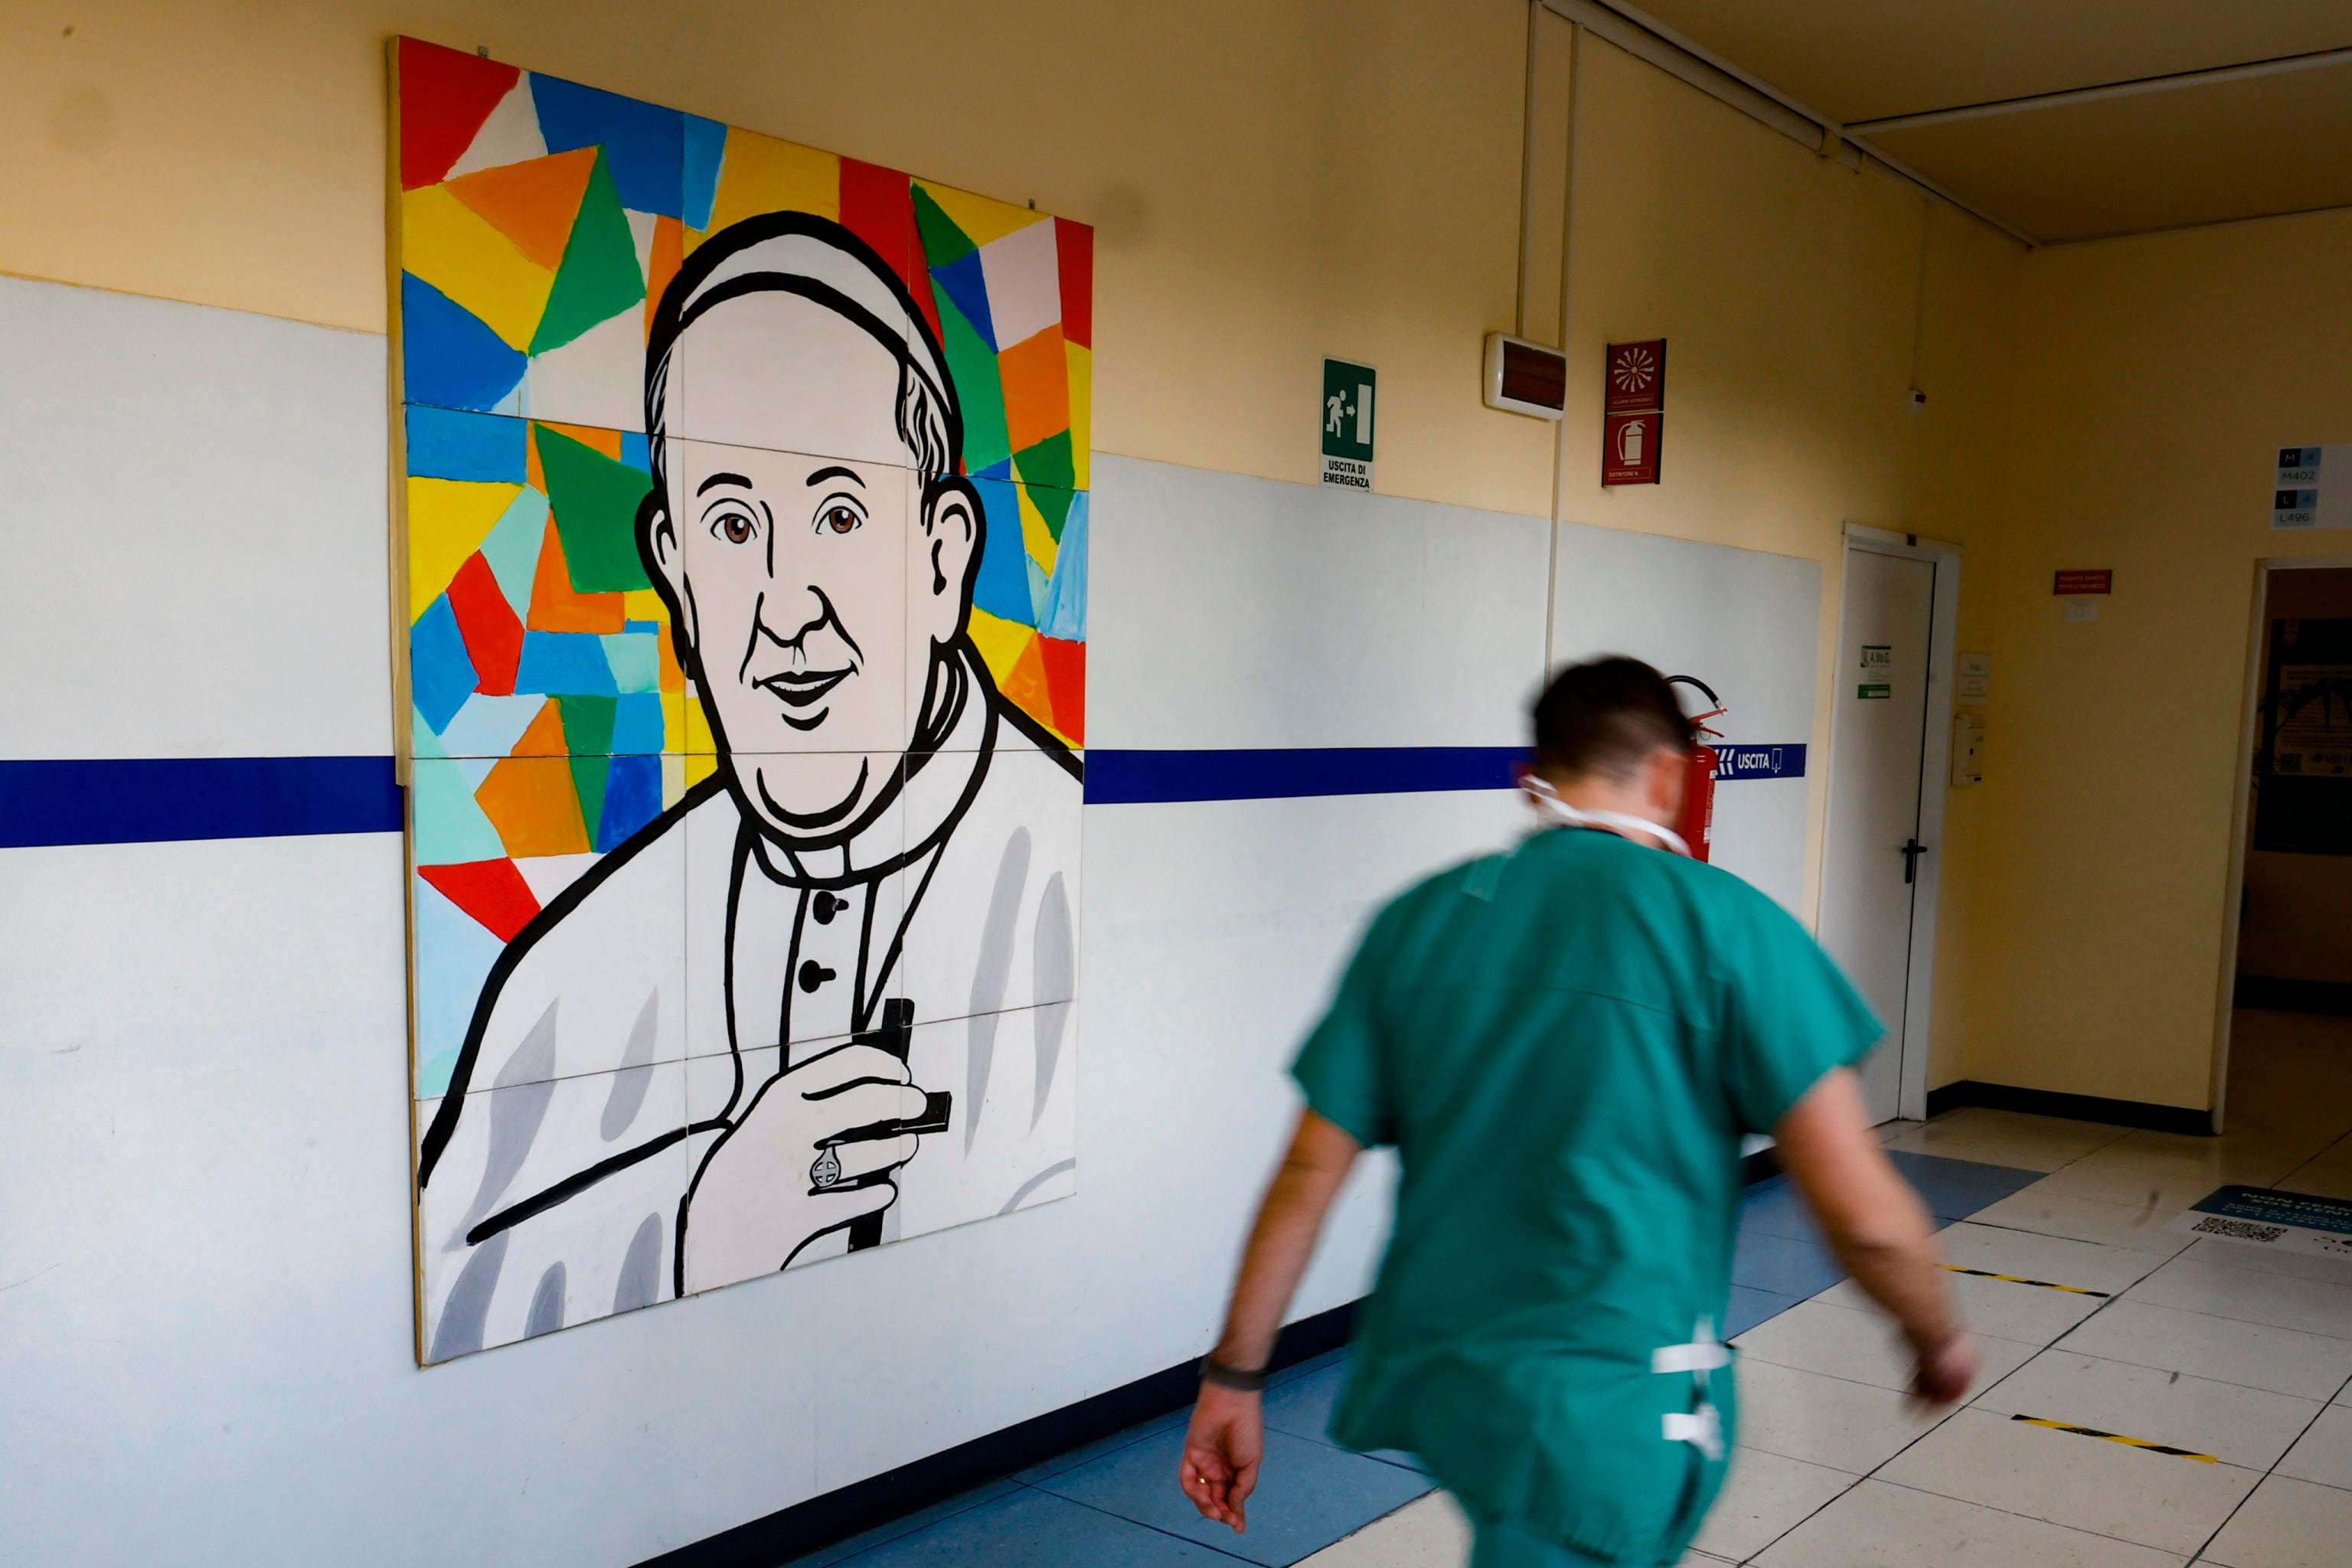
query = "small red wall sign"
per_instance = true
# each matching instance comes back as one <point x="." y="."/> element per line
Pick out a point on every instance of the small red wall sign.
<point x="1628" y="448"/>
<point x="1635" y="377"/>
<point x="2102" y="580"/>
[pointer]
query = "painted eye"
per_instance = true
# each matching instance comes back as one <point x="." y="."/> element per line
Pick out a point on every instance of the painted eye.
<point x="840" y="518"/>
<point x="734" y="525"/>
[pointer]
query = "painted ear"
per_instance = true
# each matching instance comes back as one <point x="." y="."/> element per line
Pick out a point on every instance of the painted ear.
<point x="664" y="556"/>
<point x="955" y="530"/>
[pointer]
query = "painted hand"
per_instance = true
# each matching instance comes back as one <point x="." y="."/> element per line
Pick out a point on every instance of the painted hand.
<point x="802" y="1162"/>
<point x="1218" y="1469"/>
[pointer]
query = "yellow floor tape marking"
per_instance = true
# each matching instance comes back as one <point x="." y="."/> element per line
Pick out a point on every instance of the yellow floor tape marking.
<point x="2112" y="1437"/>
<point x="2022" y="1279"/>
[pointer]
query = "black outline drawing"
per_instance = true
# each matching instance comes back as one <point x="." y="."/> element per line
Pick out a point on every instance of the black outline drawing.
<point x="930" y="418"/>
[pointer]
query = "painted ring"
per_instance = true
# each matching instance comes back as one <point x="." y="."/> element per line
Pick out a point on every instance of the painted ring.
<point x="826" y="1171"/>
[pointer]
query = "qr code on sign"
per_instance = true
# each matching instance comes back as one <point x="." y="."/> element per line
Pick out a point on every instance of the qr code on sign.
<point x="2239" y="1230"/>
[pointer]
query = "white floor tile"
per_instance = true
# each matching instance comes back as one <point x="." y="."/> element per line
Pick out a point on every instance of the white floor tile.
<point x="2155" y="1499"/>
<point x="2324" y="1454"/>
<point x="2200" y="1283"/>
<point x="1860" y="1346"/>
<point x="2239" y="1425"/>
<point x="2226" y="1349"/>
<point x="1429" y="1533"/>
<point x="2324" y="1179"/>
<point x="2028" y="1314"/>
<point x="2006" y="1138"/>
<point x="2086" y="1219"/>
<point x="1881" y="1526"/>
<point x="2085" y="1265"/>
<point x="2287" y="1523"/>
<point x="1767" y="1496"/>
<point x="2270" y="1260"/>
<point x="1849" y="1426"/>
<point x="2133" y="1183"/>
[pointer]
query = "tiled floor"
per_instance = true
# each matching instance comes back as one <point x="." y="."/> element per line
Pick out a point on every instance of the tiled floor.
<point x="2240" y="1359"/>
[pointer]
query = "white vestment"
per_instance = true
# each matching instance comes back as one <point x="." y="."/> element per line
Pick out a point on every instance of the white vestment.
<point x="624" y="1032"/>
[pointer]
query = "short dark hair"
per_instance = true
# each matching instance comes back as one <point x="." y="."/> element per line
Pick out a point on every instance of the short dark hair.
<point x="1606" y="716"/>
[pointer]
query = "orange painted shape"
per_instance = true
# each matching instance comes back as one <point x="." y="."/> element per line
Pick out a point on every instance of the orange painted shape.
<point x="1036" y="376"/>
<point x="532" y="203"/>
<point x="557" y="606"/>
<point x="606" y="441"/>
<point x="544" y="738"/>
<point x="662" y="264"/>
<point x="532" y="804"/>
<point x="1026" y="686"/>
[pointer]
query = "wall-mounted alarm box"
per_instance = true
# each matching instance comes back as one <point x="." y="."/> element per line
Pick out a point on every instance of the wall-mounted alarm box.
<point x="1526" y="378"/>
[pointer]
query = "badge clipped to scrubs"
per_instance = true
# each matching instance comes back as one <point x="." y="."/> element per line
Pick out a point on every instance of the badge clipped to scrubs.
<point x="1554" y="812"/>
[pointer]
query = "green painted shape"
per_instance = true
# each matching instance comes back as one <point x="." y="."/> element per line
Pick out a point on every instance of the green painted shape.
<point x="588" y="780"/>
<point x="595" y="500"/>
<point x="450" y="826"/>
<point x="943" y="242"/>
<point x="598" y="277"/>
<point x="977" y="390"/>
<point x="588" y="726"/>
<point x="1044" y="467"/>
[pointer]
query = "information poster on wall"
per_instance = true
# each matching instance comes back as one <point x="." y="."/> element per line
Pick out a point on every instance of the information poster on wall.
<point x="2302" y="774"/>
<point x="2314" y="487"/>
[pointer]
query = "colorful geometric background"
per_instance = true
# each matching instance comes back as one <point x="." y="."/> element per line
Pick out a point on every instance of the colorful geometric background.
<point x="539" y="221"/>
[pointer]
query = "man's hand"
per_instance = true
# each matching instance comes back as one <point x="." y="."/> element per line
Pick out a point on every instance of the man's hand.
<point x="782" y="1177"/>
<point x="1221" y="1450"/>
<point x="1945" y="1373"/>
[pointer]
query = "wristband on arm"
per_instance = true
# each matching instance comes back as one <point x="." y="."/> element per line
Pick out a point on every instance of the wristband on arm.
<point x="1218" y="1372"/>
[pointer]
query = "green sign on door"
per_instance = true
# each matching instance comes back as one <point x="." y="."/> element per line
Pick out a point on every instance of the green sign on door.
<point x="1348" y="424"/>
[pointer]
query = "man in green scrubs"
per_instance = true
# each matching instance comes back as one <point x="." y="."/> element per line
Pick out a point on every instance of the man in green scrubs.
<point x="1567" y="1044"/>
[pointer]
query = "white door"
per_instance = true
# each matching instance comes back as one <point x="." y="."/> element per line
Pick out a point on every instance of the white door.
<point x="1870" y="866"/>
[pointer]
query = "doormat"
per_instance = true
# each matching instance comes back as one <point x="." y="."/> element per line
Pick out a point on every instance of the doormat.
<point x="2265" y="1216"/>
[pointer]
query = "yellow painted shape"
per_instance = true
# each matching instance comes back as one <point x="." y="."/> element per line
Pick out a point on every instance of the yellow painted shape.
<point x="673" y="766"/>
<point x="762" y="174"/>
<point x="698" y="741"/>
<point x="1041" y="544"/>
<point x="674" y="720"/>
<point x="643" y="605"/>
<point x="699" y="765"/>
<point x="1000" y="642"/>
<point x="982" y="218"/>
<point x="460" y="252"/>
<point x="1082" y="410"/>
<point x="447" y="520"/>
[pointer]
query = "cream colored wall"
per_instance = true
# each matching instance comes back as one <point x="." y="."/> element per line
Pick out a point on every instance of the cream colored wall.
<point x="2156" y="378"/>
<point x="1787" y="286"/>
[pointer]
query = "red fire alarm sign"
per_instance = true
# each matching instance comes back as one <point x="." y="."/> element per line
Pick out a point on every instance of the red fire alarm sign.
<point x="2101" y="581"/>
<point x="1636" y="377"/>
<point x="1628" y="448"/>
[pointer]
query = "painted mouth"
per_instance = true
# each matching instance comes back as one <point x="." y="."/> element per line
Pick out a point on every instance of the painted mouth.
<point x="802" y="689"/>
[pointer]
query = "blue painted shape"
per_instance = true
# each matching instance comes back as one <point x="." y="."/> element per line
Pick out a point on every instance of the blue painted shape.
<point x="1782" y="1264"/>
<point x="638" y="724"/>
<point x="1001" y="587"/>
<point x="1777" y="1208"/>
<point x="636" y="452"/>
<point x="634" y="658"/>
<point x="1026" y="1529"/>
<point x="905" y="1524"/>
<point x="454" y="955"/>
<point x="567" y="663"/>
<point x="1310" y="1495"/>
<point x="1134" y="778"/>
<point x="1065" y="601"/>
<point x="440" y="675"/>
<point x="1954" y="1189"/>
<point x="632" y="798"/>
<point x="488" y="726"/>
<point x="1747" y="760"/>
<point x="706" y="145"/>
<point x="512" y="548"/>
<point x="449" y="825"/>
<point x="1748" y="1308"/>
<point x="645" y="144"/>
<point x="171" y="799"/>
<point x="456" y="443"/>
<point x="1002" y="470"/>
<point x="447" y="356"/>
<point x="963" y="281"/>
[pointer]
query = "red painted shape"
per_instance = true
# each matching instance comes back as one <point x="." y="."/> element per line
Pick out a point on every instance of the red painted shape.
<point x="492" y="891"/>
<point x="444" y="96"/>
<point x="493" y="637"/>
<point x="878" y="206"/>
<point x="1066" y="684"/>
<point x="1073" y="246"/>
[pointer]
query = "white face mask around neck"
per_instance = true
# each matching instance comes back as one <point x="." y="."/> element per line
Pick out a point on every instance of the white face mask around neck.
<point x="1554" y="812"/>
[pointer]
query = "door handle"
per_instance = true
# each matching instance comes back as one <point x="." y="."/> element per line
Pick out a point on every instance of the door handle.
<point x="1911" y="851"/>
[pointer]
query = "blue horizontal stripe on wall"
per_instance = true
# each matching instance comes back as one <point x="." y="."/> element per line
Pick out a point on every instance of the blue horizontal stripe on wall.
<point x="1135" y="778"/>
<point x="154" y="800"/>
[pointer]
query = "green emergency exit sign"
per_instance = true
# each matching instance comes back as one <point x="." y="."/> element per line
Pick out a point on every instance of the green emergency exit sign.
<point x="1348" y="424"/>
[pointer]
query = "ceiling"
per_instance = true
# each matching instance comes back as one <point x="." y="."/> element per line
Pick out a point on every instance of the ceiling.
<point x="2173" y="151"/>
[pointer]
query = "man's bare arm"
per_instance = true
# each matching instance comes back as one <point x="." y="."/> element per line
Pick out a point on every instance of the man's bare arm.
<point x="1222" y="1449"/>
<point x="1878" y="1227"/>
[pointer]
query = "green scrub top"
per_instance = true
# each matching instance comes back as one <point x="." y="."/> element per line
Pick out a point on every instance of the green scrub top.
<point x="1565" y="1043"/>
